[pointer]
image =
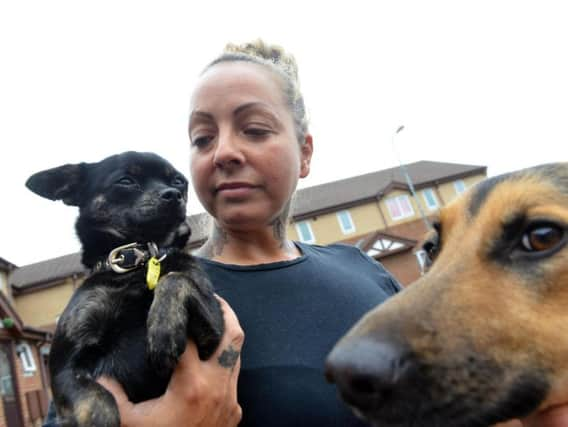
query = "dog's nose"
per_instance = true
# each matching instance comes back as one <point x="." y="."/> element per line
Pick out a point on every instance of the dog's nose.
<point x="367" y="371"/>
<point x="171" y="195"/>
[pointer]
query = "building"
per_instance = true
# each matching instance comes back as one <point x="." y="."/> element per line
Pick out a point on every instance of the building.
<point x="23" y="349"/>
<point x="378" y="213"/>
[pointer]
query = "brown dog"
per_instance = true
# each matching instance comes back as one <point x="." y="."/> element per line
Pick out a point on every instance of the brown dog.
<point x="483" y="336"/>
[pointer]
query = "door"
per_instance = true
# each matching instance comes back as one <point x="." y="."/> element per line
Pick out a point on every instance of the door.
<point x="8" y="387"/>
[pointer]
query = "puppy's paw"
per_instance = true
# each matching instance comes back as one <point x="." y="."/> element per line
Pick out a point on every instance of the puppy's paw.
<point x="207" y="324"/>
<point x="166" y="343"/>
<point x="167" y="322"/>
<point x="95" y="410"/>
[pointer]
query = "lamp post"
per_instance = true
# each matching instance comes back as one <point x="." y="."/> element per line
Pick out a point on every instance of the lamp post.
<point x="404" y="172"/>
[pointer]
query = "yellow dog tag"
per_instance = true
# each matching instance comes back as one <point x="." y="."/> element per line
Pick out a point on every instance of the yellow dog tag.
<point x="153" y="273"/>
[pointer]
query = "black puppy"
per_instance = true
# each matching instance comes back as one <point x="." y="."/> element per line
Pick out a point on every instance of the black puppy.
<point x="144" y="298"/>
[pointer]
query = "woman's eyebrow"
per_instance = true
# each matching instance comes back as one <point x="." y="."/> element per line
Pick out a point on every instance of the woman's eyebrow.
<point x="260" y="106"/>
<point x="199" y="115"/>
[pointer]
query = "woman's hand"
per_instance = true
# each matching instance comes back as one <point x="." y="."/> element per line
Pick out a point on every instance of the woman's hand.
<point x="553" y="417"/>
<point x="200" y="393"/>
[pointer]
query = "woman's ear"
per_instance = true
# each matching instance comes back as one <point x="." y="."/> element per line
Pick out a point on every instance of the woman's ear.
<point x="306" y="151"/>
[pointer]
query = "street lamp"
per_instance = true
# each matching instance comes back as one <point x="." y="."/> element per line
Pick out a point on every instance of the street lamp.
<point x="404" y="172"/>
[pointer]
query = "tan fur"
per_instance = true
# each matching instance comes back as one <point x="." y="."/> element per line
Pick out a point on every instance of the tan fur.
<point x="471" y="303"/>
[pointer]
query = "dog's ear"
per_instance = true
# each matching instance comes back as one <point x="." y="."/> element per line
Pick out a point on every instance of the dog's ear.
<point x="60" y="183"/>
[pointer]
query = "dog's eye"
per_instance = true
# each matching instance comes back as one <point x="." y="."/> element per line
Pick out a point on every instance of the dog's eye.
<point x="178" y="180"/>
<point x="431" y="245"/>
<point x="542" y="237"/>
<point x="125" y="180"/>
<point x="431" y="250"/>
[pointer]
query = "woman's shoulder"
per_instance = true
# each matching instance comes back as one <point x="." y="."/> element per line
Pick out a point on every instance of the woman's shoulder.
<point x="339" y="258"/>
<point x="334" y="249"/>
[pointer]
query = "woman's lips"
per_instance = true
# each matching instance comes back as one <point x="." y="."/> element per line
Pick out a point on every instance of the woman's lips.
<point x="235" y="189"/>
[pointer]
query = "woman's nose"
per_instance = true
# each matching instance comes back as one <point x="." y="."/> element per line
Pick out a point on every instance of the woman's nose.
<point x="228" y="152"/>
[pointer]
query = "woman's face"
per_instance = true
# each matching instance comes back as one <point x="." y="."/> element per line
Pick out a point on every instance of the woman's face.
<point x="245" y="157"/>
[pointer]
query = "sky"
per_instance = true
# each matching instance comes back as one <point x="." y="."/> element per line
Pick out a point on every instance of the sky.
<point x="480" y="82"/>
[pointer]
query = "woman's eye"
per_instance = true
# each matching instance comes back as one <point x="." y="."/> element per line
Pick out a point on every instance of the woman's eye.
<point x="542" y="238"/>
<point x="201" y="141"/>
<point x="126" y="180"/>
<point x="257" y="132"/>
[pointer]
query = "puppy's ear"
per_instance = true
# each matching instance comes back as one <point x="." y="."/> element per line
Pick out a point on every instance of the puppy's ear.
<point x="60" y="183"/>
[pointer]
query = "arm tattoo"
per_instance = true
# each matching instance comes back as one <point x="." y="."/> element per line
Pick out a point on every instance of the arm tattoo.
<point x="229" y="358"/>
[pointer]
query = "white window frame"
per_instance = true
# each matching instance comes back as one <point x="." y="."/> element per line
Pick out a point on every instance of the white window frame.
<point x="312" y="238"/>
<point x="397" y="200"/>
<point x="460" y="186"/>
<point x="431" y="192"/>
<point x="26" y="355"/>
<point x="347" y="216"/>
<point x="422" y="258"/>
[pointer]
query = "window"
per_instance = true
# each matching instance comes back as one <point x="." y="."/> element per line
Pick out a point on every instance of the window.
<point x="24" y="351"/>
<point x="399" y="207"/>
<point x="345" y="222"/>
<point x="430" y="199"/>
<point x="383" y="245"/>
<point x="459" y="186"/>
<point x="305" y="232"/>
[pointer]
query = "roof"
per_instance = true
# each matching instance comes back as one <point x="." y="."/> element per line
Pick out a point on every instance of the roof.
<point x="47" y="271"/>
<point x="308" y="202"/>
<point x="364" y="187"/>
<point x="6" y="265"/>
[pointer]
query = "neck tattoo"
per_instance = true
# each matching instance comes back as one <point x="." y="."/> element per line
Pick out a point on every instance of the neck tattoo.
<point x="279" y="232"/>
<point x="215" y="244"/>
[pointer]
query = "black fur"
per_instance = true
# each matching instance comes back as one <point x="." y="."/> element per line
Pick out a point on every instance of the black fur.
<point x="114" y="325"/>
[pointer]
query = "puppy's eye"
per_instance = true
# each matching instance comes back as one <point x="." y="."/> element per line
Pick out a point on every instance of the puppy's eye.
<point x="178" y="180"/>
<point x="126" y="180"/>
<point x="542" y="237"/>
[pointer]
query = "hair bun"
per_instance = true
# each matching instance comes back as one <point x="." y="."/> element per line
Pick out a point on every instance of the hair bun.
<point x="267" y="52"/>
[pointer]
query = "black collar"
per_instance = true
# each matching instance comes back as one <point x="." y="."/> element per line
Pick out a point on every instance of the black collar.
<point x="129" y="257"/>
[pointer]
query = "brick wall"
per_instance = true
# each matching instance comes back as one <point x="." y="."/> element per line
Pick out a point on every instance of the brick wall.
<point x="25" y="382"/>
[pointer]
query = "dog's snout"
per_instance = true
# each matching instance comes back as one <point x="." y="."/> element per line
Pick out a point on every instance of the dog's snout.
<point x="367" y="371"/>
<point x="171" y="195"/>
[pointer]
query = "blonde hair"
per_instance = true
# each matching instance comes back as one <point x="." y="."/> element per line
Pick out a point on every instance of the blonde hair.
<point x="280" y="62"/>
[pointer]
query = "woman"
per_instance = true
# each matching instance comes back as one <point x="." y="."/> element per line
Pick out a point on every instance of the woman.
<point x="249" y="147"/>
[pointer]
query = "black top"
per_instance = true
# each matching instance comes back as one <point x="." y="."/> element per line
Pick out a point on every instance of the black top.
<point x="293" y="312"/>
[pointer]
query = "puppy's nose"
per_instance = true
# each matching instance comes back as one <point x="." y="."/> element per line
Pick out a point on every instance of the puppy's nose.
<point x="171" y="195"/>
<point x="367" y="372"/>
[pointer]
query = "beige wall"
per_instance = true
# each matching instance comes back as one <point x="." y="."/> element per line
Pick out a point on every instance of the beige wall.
<point x="326" y="228"/>
<point x="42" y="307"/>
<point x="367" y="218"/>
<point x="4" y="283"/>
<point x="448" y="192"/>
